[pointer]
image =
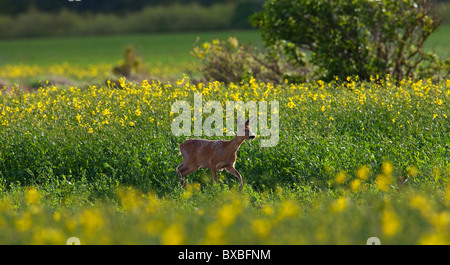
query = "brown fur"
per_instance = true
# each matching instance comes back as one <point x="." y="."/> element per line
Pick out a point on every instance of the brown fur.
<point x="215" y="155"/>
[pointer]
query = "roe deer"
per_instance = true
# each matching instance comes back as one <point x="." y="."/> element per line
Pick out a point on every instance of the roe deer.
<point x="215" y="155"/>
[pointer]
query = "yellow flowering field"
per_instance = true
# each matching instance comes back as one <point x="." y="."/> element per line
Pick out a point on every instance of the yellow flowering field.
<point x="354" y="160"/>
<point x="94" y="72"/>
<point x="216" y="215"/>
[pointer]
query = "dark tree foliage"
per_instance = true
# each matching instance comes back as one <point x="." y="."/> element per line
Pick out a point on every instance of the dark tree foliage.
<point x="357" y="37"/>
<point x="14" y="7"/>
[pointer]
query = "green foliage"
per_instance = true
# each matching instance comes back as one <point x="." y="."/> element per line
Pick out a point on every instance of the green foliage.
<point x="111" y="136"/>
<point x="15" y="7"/>
<point x="131" y="64"/>
<point x="348" y="38"/>
<point x="232" y="61"/>
<point x="179" y="17"/>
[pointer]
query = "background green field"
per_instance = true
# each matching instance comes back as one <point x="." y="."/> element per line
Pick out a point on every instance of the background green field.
<point x="153" y="48"/>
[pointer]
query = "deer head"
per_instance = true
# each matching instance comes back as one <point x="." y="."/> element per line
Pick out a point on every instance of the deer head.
<point x="243" y="129"/>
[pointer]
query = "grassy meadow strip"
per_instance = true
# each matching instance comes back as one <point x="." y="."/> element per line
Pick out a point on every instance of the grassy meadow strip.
<point x="99" y="163"/>
<point x="70" y="74"/>
<point x="85" y="50"/>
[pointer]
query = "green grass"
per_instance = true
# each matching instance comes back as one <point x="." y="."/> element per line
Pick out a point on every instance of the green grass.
<point x="79" y="148"/>
<point x="153" y="48"/>
<point x="439" y="42"/>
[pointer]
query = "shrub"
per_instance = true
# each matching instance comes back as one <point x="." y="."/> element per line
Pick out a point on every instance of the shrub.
<point x="231" y="61"/>
<point x="131" y="64"/>
<point x="357" y="37"/>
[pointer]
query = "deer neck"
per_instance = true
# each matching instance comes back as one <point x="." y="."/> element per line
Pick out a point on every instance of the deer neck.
<point x="235" y="144"/>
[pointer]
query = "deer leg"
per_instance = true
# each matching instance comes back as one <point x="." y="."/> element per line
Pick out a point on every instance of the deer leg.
<point x="214" y="174"/>
<point x="184" y="170"/>
<point x="182" y="179"/>
<point x="234" y="172"/>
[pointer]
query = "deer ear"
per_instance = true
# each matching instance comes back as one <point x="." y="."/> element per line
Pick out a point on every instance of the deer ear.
<point x="239" y="120"/>
<point x="252" y="119"/>
<point x="249" y="121"/>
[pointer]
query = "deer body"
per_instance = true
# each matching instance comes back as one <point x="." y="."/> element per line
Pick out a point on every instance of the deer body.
<point x="215" y="155"/>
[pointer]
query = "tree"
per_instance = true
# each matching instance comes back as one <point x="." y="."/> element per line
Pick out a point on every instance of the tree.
<point x="358" y="37"/>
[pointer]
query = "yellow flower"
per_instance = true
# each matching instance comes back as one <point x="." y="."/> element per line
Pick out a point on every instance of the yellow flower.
<point x="261" y="227"/>
<point x="214" y="234"/>
<point x="233" y="42"/>
<point x="421" y="203"/>
<point x="24" y="222"/>
<point x="341" y="177"/>
<point x="390" y="222"/>
<point x="267" y="210"/>
<point x="227" y="214"/>
<point x="355" y="185"/>
<point x="32" y="196"/>
<point x="48" y="236"/>
<point x="92" y="220"/>
<point x="173" y="235"/>
<point x="291" y="105"/>
<point x="435" y="238"/>
<point x="339" y="204"/>
<point x="56" y="216"/>
<point x="79" y="118"/>
<point x="180" y="82"/>
<point x="363" y="172"/>
<point x="130" y="198"/>
<point x="106" y="112"/>
<point x="288" y="209"/>
<point x="131" y="123"/>
<point x="387" y="168"/>
<point x="383" y="182"/>
<point x="191" y="189"/>
<point x="138" y="112"/>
